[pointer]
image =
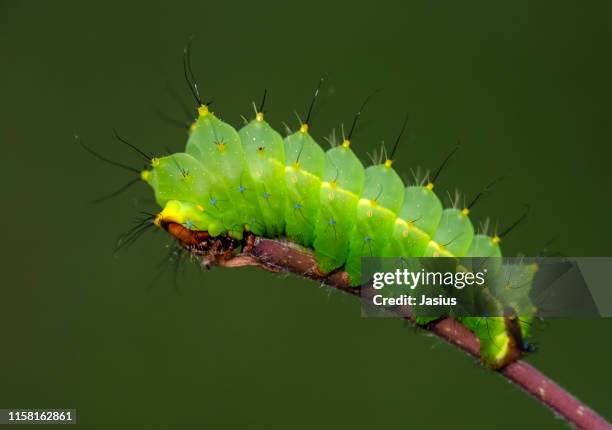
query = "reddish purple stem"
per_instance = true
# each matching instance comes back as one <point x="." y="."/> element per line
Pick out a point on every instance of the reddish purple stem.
<point x="280" y="255"/>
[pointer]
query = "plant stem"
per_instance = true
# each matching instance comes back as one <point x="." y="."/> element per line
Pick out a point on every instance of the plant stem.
<point x="280" y="255"/>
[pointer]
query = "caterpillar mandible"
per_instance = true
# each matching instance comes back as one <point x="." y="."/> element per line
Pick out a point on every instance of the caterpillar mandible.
<point x="229" y="186"/>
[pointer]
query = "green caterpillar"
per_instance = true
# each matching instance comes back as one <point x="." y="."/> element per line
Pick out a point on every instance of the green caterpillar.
<point x="227" y="183"/>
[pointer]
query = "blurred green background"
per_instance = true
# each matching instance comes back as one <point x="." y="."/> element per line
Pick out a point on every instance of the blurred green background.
<point x="525" y="87"/>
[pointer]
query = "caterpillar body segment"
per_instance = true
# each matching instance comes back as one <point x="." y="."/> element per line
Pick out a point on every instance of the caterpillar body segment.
<point x="381" y="200"/>
<point x="454" y="233"/>
<point x="305" y="163"/>
<point x="416" y="222"/>
<point x="228" y="182"/>
<point x="422" y="208"/>
<point x="265" y="157"/>
<point x="341" y="189"/>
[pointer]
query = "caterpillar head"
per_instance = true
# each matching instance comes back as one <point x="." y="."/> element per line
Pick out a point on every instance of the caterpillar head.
<point x="179" y="220"/>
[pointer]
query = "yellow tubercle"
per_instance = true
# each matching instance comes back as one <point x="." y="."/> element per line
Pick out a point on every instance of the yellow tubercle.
<point x="259" y="117"/>
<point x="333" y="184"/>
<point x="145" y="175"/>
<point x="221" y="146"/>
<point x="429" y="186"/>
<point x="200" y="208"/>
<point x="203" y="110"/>
<point x="296" y="165"/>
<point x="388" y="163"/>
<point x="346" y="143"/>
<point x="465" y="211"/>
<point x="193" y="126"/>
<point x="304" y="128"/>
<point x="155" y="162"/>
<point x="373" y="202"/>
<point x="496" y="239"/>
